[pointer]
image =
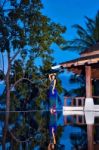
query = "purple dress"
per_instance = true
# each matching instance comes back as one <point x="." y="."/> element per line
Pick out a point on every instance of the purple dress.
<point x="52" y="96"/>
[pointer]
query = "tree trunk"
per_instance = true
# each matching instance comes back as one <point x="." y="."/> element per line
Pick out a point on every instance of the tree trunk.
<point x="7" y="106"/>
<point x="2" y="62"/>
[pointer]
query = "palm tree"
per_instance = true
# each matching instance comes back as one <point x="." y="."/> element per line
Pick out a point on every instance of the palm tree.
<point x="86" y="37"/>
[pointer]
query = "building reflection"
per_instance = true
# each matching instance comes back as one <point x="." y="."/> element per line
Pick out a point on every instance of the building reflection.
<point x="88" y="119"/>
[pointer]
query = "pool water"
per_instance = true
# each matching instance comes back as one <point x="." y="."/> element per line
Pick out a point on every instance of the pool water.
<point x="32" y="130"/>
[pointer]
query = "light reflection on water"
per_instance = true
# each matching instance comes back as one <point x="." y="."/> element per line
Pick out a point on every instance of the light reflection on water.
<point x="32" y="130"/>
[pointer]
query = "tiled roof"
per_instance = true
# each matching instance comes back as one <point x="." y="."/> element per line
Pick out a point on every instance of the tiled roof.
<point x="85" y="59"/>
<point x="91" y="49"/>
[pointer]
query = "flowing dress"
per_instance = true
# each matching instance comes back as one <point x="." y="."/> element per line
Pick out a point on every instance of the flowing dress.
<point x="52" y="96"/>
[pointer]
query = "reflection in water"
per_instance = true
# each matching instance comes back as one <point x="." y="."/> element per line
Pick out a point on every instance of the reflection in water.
<point x="40" y="130"/>
<point x="29" y="130"/>
<point x="91" y="120"/>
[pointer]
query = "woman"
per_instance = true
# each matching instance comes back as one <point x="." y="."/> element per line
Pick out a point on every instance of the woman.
<point x="52" y="96"/>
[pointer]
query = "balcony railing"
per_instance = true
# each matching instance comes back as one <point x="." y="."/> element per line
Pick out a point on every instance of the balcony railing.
<point x="78" y="101"/>
<point x="74" y="101"/>
<point x="74" y="119"/>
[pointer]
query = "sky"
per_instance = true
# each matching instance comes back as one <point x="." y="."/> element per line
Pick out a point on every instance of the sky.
<point x="68" y="13"/>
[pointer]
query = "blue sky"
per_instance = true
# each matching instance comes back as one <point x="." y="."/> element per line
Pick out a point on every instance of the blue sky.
<point x="68" y="13"/>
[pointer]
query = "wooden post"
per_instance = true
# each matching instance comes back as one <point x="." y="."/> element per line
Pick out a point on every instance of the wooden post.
<point x="90" y="137"/>
<point x="65" y="101"/>
<point x="88" y="82"/>
<point x="65" y="120"/>
<point x="90" y="133"/>
<point x="77" y="102"/>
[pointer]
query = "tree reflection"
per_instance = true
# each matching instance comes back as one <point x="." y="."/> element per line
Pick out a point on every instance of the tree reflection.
<point x="27" y="130"/>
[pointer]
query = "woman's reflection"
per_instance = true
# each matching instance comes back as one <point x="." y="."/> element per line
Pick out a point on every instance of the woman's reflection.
<point x="52" y="131"/>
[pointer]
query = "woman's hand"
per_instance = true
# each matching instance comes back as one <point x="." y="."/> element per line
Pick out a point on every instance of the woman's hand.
<point x="52" y="130"/>
<point x="52" y="91"/>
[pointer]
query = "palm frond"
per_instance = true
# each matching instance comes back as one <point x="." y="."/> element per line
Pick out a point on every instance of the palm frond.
<point x="80" y="30"/>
